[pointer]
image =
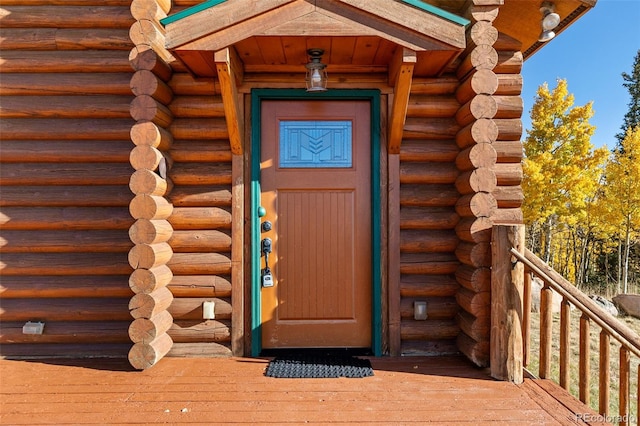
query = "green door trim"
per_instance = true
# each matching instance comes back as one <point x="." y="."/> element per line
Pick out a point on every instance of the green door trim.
<point x="257" y="95"/>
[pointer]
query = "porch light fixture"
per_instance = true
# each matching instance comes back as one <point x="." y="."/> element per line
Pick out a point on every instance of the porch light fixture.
<point x="550" y="20"/>
<point x="316" y="77"/>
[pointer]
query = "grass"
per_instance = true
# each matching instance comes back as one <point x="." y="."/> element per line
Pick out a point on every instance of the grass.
<point x="533" y="366"/>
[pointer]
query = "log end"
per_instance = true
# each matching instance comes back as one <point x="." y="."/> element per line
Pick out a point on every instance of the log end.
<point x="146" y="355"/>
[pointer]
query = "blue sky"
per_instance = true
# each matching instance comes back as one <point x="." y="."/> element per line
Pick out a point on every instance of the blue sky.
<point x="591" y="55"/>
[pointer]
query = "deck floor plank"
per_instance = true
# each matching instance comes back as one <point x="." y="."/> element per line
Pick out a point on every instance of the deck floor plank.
<point x="410" y="390"/>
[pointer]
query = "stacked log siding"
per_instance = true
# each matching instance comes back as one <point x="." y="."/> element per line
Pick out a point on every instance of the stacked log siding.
<point x="508" y="192"/>
<point x="477" y="181"/>
<point x="150" y="184"/>
<point x="201" y="196"/>
<point x="201" y="219"/>
<point x="428" y="218"/>
<point x="122" y="203"/>
<point x="64" y="174"/>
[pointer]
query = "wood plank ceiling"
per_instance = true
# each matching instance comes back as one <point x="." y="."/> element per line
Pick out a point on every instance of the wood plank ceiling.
<point x="358" y="54"/>
<point x="343" y="55"/>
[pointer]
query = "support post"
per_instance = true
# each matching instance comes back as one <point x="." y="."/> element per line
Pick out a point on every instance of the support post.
<point x="507" y="288"/>
<point x="230" y="73"/>
<point x="400" y="77"/>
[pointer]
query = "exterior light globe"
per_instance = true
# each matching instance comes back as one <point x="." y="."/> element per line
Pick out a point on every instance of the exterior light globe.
<point x="550" y="21"/>
<point x="545" y="36"/>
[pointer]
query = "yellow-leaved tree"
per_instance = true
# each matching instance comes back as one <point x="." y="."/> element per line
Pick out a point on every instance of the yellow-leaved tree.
<point x="561" y="175"/>
<point x="621" y="201"/>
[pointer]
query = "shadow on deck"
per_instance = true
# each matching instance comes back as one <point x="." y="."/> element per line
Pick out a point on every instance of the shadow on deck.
<point x="234" y="390"/>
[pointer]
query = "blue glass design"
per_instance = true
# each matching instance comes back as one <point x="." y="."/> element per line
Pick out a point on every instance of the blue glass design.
<point x="315" y="144"/>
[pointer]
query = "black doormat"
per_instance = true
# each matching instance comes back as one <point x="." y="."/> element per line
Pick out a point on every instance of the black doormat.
<point x="318" y="364"/>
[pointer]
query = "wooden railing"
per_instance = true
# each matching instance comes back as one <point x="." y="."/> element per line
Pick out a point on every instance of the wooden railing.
<point x="611" y="328"/>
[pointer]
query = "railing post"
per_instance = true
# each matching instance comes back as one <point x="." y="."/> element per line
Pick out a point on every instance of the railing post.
<point x="507" y="287"/>
<point x="526" y="318"/>
<point x="623" y="399"/>
<point x="565" y="337"/>
<point x="546" y="323"/>
<point x="585" y="360"/>
<point x="605" y="373"/>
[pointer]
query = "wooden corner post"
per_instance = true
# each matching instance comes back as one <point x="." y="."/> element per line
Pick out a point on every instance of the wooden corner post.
<point x="507" y="289"/>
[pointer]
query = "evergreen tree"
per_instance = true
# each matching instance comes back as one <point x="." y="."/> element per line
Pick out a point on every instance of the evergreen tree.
<point x="632" y="83"/>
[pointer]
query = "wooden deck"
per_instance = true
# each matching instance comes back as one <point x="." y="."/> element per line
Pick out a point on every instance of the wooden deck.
<point x="410" y="390"/>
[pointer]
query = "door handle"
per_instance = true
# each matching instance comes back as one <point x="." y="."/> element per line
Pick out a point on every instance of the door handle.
<point x="265" y="247"/>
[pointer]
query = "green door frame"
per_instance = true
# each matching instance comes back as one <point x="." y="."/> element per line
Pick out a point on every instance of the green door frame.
<point x="257" y="95"/>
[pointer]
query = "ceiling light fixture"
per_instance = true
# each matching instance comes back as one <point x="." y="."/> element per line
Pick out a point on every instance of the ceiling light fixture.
<point x="316" y="77"/>
<point x="550" y="20"/>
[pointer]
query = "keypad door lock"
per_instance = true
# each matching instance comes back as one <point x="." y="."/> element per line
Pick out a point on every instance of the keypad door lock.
<point x="267" y="279"/>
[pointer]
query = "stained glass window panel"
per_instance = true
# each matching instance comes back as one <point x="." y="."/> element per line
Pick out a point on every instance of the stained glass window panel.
<point x="316" y="144"/>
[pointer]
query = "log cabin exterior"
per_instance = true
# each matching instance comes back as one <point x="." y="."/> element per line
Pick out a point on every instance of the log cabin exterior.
<point x="132" y="134"/>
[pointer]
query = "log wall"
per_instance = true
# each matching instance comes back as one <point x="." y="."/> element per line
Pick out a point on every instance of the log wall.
<point x="428" y="219"/>
<point x="201" y="219"/>
<point x="183" y="182"/>
<point x="489" y="166"/>
<point x="64" y="121"/>
<point x="477" y="181"/>
<point x="201" y="194"/>
<point x="508" y="146"/>
<point x="117" y="189"/>
<point x="150" y="184"/>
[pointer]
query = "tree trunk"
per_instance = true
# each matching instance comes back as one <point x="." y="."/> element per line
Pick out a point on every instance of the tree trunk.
<point x="548" y="227"/>
<point x="627" y="244"/>
<point x="578" y="257"/>
<point x="584" y="261"/>
<point x="606" y="267"/>
<point x="619" y="280"/>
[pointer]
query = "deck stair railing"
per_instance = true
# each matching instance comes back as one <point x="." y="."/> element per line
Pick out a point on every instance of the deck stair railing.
<point x="589" y="311"/>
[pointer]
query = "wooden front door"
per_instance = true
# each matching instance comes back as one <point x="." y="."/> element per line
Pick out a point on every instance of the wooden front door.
<point x="315" y="175"/>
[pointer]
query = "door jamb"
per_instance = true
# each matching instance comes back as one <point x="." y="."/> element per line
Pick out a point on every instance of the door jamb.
<point x="372" y="95"/>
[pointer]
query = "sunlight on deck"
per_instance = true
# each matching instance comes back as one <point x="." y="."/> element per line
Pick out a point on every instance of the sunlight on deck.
<point x="234" y="390"/>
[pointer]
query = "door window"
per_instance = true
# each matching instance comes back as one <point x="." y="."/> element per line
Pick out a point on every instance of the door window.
<point x="315" y="144"/>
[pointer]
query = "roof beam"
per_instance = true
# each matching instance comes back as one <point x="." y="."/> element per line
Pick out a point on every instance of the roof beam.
<point x="230" y="74"/>
<point x="400" y="77"/>
<point x="215" y="28"/>
<point x="251" y="26"/>
<point x="426" y="24"/>
<point x="203" y="22"/>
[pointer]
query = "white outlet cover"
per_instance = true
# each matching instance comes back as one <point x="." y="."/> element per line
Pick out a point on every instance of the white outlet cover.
<point x="208" y="310"/>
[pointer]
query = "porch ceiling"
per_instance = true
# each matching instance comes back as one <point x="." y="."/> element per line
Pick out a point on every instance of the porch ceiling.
<point x="343" y="55"/>
<point x="356" y="35"/>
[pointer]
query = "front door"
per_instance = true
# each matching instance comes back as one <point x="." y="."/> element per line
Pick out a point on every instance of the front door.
<point x="315" y="173"/>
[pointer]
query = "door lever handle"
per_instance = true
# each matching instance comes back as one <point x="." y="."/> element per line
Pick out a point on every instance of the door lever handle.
<point x="265" y="247"/>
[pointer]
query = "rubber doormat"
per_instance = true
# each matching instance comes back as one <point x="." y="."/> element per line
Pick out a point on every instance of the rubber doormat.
<point x="318" y="365"/>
